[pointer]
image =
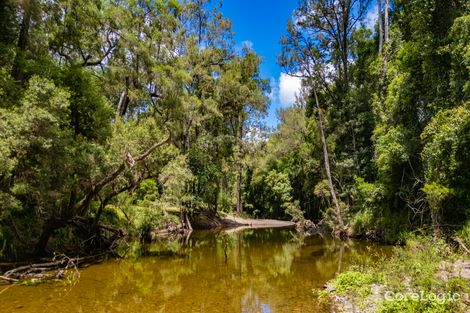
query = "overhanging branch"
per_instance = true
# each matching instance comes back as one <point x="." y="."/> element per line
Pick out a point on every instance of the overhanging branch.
<point x="81" y="206"/>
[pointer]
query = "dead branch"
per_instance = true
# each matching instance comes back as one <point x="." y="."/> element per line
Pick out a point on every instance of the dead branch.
<point x="39" y="270"/>
<point x="460" y="242"/>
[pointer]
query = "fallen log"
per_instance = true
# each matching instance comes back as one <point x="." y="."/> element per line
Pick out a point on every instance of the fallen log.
<point x="38" y="270"/>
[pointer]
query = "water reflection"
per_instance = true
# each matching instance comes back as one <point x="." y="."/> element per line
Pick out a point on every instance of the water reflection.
<point x="262" y="270"/>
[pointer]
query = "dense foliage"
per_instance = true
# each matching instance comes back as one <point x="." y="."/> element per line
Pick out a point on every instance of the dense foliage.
<point x="117" y="112"/>
<point x="115" y="115"/>
<point x="395" y="112"/>
<point x="424" y="266"/>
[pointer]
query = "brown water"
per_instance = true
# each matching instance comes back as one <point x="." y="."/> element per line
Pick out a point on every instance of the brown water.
<point x="262" y="270"/>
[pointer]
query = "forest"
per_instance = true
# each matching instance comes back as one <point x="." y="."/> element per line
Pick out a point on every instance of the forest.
<point x="120" y="117"/>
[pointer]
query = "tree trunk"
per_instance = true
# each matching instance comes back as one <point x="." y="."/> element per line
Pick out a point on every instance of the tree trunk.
<point x="239" y="190"/>
<point x="383" y="27"/>
<point x="123" y="100"/>
<point x="327" y="166"/>
<point x="379" y="19"/>
<point x="108" y="198"/>
<point x="18" y="63"/>
<point x="185" y="220"/>
<point x="436" y="221"/>
<point x="345" y="53"/>
<point x="386" y="21"/>
<point x="80" y="208"/>
<point x="188" y="222"/>
<point x="239" y="167"/>
<point x="47" y="230"/>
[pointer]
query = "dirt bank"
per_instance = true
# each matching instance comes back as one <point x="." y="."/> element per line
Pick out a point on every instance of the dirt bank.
<point x="235" y="221"/>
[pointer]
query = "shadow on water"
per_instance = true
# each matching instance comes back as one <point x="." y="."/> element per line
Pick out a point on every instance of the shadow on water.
<point x="253" y="270"/>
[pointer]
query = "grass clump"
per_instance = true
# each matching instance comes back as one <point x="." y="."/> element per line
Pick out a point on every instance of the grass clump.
<point x="417" y="277"/>
<point x="353" y="281"/>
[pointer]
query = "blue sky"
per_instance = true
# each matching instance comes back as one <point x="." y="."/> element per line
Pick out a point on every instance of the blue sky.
<point x="260" y="24"/>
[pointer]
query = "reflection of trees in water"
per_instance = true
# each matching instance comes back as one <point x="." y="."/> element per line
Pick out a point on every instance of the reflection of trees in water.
<point x="270" y="269"/>
<point x="250" y="268"/>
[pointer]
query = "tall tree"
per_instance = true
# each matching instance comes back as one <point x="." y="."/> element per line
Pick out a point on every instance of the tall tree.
<point x="380" y="24"/>
<point x="327" y="26"/>
<point x="244" y="94"/>
<point x="326" y="158"/>
<point x="386" y="20"/>
<point x="318" y="48"/>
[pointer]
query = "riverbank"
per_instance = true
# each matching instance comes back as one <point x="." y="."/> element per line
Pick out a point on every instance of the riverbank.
<point x="236" y="221"/>
<point x="210" y="220"/>
<point x="425" y="275"/>
<point x="224" y="222"/>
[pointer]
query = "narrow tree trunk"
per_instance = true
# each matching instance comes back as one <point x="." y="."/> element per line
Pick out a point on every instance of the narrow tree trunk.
<point x="386" y="21"/>
<point x="187" y="222"/>
<point x="123" y="100"/>
<point x="379" y="6"/>
<point x="345" y="48"/>
<point x="436" y="221"/>
<point x="18" y="63"/>
<point x="327" y="166"/>
<point x="239" y="167"/>
<point x="108" y="198"/>
<point x="239" y="190"/>
<point x="383" y="27"/>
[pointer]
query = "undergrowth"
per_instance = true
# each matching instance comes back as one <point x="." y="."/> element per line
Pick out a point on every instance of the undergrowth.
<point x="410" y="280"/>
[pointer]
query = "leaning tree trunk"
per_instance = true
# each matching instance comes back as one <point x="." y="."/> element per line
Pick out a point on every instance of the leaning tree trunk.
<point x="326" y="158"/>
<point x="80" y="208"/>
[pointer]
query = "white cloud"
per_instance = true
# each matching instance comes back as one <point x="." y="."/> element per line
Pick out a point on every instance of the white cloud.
<point x="289" y="87"/>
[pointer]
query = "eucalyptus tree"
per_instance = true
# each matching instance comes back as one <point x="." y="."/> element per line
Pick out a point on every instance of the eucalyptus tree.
<point x="203" y="135"/>
<point x="317" y="48"/>
<point x="242" y="93"/>
<point x="226" y="92"/>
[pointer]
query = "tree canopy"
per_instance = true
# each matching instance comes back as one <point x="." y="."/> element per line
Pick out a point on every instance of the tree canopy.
<point x="113" y="114"/>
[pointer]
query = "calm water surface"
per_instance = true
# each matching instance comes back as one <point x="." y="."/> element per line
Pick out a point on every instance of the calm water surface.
<point x="262" y="270"/>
